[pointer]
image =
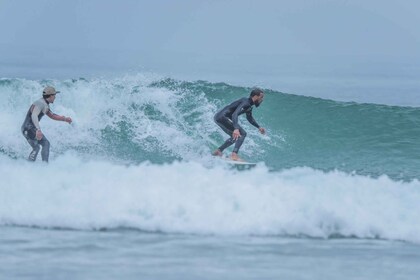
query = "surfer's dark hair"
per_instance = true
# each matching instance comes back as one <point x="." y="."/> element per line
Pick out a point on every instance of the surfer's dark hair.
<point x="255" y="91"/>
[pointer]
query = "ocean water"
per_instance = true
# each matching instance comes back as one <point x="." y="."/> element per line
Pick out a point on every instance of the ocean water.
<point x="131" y="190"/>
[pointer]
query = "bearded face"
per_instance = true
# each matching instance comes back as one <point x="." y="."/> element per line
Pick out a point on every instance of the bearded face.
<point x="259" y="100"/>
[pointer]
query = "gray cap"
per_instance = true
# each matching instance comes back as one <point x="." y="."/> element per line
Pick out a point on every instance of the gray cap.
<point x="49" y="91"/>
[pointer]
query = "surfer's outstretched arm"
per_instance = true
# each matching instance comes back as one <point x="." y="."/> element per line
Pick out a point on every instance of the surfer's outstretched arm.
<point x="58" y="117"/>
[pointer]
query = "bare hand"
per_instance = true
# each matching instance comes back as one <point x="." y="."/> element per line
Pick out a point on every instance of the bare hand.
<point x="38" y="134"/>
<point x="236" y="134"/>
<point x="262" y="130"/>
<point x="68" y="119"/>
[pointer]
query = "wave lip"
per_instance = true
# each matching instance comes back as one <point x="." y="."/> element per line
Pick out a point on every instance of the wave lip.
<point x="186" y="197"/>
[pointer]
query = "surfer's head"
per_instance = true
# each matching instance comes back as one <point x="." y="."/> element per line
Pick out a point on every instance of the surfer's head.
<point x="49" y="94"/>
<point x="257" y="96"/>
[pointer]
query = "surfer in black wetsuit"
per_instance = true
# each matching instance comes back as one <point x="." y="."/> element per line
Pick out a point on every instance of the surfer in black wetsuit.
<point x="227" y="119"/>
<point x="31" y="129"/>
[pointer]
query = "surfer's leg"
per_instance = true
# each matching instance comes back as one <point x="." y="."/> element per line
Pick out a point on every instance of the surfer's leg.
<point x="227" y="144"/>
<point x="240" y="140"/>
<point x="45" y="153"/>
<point x="227" y="126"/>
<point x="35" y="150"/>
<point x="238" y="144"/>
<point x="30" y="137"/>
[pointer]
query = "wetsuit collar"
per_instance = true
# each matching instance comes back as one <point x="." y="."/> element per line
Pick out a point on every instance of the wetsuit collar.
<point x="251" y="101"/>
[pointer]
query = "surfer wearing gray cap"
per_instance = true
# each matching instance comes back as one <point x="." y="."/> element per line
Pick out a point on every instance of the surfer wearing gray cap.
<point x="31" y="129"/>
<point x="227" y="119"/>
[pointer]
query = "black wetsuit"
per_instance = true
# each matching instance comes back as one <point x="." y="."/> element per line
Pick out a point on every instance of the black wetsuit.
<point x="29" y="131"/>
<point x="227" y="119"/>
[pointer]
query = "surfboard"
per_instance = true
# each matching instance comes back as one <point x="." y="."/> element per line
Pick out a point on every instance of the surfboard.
<point x="239" y="163"/>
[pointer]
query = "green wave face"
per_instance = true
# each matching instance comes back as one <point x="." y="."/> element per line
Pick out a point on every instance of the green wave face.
<point x="138" y="119"/>
<point x="304" y="131"/>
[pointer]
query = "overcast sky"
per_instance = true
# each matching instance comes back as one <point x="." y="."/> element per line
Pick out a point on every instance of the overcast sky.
<point x="199" y="35"/>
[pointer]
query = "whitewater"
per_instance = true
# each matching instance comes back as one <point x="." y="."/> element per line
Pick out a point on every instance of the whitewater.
<point x="134" y="175"/>
<point x="186" y="197"/>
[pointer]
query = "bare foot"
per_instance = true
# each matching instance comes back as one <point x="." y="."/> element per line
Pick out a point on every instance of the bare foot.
<point x="235" y="157"/>
<point x="217" y="153"/>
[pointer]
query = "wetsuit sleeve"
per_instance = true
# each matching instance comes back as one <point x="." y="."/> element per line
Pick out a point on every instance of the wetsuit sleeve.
<point x="251" y="119"/>
<point x="236" y="113"/>
<point x="35" y="113"/>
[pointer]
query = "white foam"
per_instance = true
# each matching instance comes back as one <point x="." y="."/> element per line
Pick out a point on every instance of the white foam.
<point x="98" y="104"/>
<point x="187" y="197"/>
